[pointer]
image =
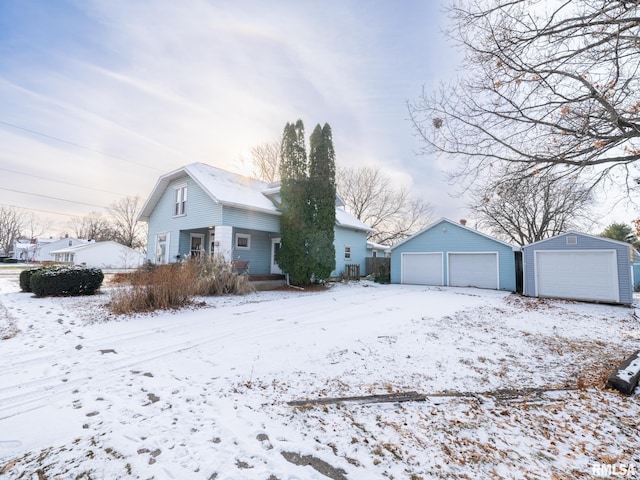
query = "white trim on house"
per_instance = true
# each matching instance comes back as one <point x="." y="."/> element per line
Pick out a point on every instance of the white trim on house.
<point x="180" y="200"/>
<point x="165" y="253"/>
<point x="275" y="268"/>
<point x="243" y="241"/>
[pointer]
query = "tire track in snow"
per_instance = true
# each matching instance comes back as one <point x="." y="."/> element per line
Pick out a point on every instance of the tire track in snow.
<point x="23" y="397"/>
<point x="17" y="399"/>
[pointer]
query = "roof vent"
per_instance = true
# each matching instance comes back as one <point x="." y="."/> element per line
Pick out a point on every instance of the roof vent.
<point x="572" y="240"/>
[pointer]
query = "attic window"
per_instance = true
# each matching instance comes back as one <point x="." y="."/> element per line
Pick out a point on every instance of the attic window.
<point x="572" y="240"/>
<point x="180" y="205"/>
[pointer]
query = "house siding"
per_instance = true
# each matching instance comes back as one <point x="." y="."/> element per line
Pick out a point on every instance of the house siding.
<point x="259" y="255"/>
<point x="584" y="242"/>
<point x="251" y="219"/>
<point x="201" y="212"/>
<point x="357" y="240"/>
<point x="448" y="237"/>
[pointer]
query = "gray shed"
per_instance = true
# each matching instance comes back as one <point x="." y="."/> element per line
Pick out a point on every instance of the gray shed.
<point x="580" y="267"/>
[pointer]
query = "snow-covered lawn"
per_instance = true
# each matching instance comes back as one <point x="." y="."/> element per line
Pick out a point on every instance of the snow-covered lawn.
<point x="202" y="393"/>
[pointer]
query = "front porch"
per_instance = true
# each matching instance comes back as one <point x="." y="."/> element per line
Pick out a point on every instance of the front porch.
<point x="253" y="249"/>
<point x="267" y="281"/>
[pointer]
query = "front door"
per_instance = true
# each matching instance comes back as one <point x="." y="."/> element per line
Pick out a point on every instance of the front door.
<point x="197" y="244"/>
<point x="275" y="246"/>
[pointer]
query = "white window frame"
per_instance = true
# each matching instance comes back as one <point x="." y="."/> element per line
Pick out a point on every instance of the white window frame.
<point x="347" y="252"/>
<point x="180" y="200"/>
<point x="165" y="259"/>
<point x="243" y="236"/>
<point x="196" y="253"/>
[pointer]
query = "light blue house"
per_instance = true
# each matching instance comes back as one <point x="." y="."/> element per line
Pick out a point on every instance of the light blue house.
<point x="449" y="253"/>
<point x="199" y="209"/>
<point x="581" y="267"/>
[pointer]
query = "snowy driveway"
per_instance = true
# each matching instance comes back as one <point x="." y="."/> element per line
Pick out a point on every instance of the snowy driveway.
<point x="203" y="393"/>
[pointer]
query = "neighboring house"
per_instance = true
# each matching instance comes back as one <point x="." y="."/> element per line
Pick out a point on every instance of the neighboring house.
<point x="449" y="253"/>
<point x="39" y="250"/>
<point x="580" y="267"/>
<point x="107" y="254"/>
<point x="199" y="209"/>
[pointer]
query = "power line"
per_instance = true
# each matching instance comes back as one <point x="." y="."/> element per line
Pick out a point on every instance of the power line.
<point x="52" y="198"/>
<point x="58" y="139"/>
<point x="38" y="210"/>
<point x="61" y="181"/>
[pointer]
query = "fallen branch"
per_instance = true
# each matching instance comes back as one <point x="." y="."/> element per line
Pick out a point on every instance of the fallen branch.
<point x="626" y="376"/>
<point x="412" y="396"/>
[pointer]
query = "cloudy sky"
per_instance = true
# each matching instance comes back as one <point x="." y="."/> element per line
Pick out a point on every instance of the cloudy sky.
<point x="100" y="97"/>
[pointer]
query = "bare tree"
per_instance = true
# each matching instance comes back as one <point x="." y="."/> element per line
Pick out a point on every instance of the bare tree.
<point x="265" y="159"/>
<point x="93" y="226"/>
<point x="372" y="198"/>
<point x="12" y="223"/>
<point x="35" y="226"/>
<point x="525" y="209"/>
<point x="546" y="83"/>
<point x="125" y="227"/>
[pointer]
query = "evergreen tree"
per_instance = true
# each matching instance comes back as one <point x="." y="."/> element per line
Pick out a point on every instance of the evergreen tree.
<point x="293" y="255"/>
<point x="322" y="202"/>
<point x="621" y="232"/>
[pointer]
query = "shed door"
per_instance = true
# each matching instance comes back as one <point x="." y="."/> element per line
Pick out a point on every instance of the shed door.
<point x="473" y="270"/>
<point x="578" y="274"/>
<point x="422" y="268"/>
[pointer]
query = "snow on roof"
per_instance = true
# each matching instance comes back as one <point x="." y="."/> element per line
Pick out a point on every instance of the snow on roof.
<point x="83" y="246"/>
<point x="232" y="189"/>
<point x="345" y="219"/>
<point x="378" y="246"/>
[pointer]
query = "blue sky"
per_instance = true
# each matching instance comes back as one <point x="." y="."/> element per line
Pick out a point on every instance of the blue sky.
<point x="100" y="97"/>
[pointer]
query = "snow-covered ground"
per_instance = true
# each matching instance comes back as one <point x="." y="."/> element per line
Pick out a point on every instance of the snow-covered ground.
<point x="203" y="393"/>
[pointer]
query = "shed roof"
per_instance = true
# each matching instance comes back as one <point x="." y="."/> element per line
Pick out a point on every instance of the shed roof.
<point x="572" y="232"/>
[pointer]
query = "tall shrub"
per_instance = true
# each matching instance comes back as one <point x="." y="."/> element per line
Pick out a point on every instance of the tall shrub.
<point x="322" y="196"/>
<point x="292" y="257"/>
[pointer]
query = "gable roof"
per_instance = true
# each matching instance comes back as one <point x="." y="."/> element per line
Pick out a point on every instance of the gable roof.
<point x="232" y="189"/>
<point x="221" y="186"/>
<point x="573" y="232"/>
<point x="457" y="224"/>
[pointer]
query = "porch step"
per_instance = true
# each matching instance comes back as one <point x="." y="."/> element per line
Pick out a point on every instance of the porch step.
<point x="267" y="282"/>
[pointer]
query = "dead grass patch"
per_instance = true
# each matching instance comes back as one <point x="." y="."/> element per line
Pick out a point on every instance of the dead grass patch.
<point x="164" y="287"/>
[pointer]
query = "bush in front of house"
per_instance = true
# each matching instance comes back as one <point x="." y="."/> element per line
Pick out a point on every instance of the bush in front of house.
<point x="25" y="278"/>
<point x="65" y="280"/>
<point x="164" y="287"/>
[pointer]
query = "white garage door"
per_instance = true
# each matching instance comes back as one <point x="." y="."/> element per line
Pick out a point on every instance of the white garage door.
<point x="422" y="268"/>
<point x="473" y="270"/>
<point x="578" y="274"/>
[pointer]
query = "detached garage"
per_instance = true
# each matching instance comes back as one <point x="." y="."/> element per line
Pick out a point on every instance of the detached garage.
<point x="449" y="253"/>
<point x="579" y="267"/>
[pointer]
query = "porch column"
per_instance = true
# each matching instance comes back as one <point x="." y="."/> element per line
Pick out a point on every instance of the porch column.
<point x="224" y="242"/>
